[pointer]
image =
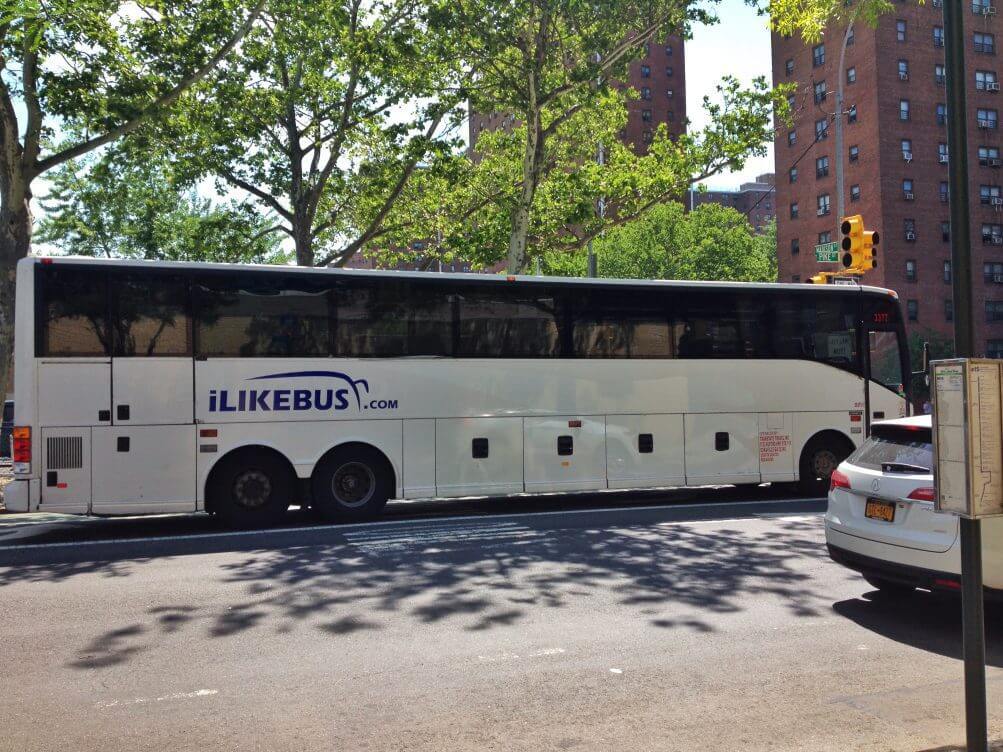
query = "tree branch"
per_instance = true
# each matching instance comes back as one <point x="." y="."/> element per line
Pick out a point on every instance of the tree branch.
<point x="257" y="192"/>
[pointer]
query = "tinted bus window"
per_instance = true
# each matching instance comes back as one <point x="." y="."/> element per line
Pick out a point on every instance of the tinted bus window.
<point x="711" y="324"/>
<point x="395" y="318"/>
<point x="603" y="327"/>
<point x="506" y="323"/>
<point x="74" y="310"/>
<point x="814" y="327"/>
<point x="150" y="315"/>
<point x="262" y="315"/>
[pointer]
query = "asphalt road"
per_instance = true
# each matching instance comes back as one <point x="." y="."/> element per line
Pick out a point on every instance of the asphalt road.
<point x="719" y="625"/>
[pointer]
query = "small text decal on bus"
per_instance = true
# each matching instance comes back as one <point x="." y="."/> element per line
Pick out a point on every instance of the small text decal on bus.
<point x="354" y="392"/>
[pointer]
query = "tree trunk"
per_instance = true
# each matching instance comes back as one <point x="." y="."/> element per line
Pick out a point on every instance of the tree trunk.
<point x="303" y="239"/>
<point x="15" y="240"/>
<point x="532" y="163"/>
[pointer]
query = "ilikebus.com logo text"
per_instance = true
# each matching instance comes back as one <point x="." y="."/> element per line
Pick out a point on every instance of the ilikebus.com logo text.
<point x="355" y="392"/>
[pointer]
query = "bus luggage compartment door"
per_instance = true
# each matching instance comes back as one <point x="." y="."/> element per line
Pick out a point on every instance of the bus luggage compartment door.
<point x="565" y="453"/>
<point x="66" y="469"/>
<point x="153" y="391"/>
<point x="478" y="456"/>
<point x="643" y="451"/>
<point x="722" y="448"/>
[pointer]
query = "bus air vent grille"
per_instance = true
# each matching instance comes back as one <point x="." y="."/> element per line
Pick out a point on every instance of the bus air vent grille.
<point x="64" y="453"/>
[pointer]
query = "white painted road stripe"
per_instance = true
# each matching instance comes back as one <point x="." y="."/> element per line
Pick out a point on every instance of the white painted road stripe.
<point x="387" y="523"/>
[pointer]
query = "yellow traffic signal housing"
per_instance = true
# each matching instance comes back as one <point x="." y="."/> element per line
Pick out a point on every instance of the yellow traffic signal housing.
<point x="868" y="251"/>
<point x="853" y="241"/>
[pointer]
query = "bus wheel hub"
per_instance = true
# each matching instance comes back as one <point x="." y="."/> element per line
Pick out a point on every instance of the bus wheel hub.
<point x="353" y="484"/>
<point x="252" y="489"/>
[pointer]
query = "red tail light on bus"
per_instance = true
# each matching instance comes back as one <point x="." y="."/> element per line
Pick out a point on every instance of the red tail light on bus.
<point x="21" y="446"/>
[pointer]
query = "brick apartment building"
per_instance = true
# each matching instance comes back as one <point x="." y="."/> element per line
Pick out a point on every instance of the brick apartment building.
<point x="756" y="200"/>
<point x="895" y="159"/>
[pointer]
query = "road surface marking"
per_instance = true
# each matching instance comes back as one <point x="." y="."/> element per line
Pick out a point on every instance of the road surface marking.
<point x="173" y="696"/>
<point x="384" y="523"/>
<point x="515" y="657"/>
<point x="616" y="670"/>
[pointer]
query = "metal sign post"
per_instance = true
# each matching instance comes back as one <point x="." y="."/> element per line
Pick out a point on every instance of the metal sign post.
<point x="968" y="459"/>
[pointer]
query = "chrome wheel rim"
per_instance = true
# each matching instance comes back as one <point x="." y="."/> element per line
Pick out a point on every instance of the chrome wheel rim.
<point x="353" y="484"/>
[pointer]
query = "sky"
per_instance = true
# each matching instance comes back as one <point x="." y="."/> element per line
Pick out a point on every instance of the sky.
<point x="738" y="46"/>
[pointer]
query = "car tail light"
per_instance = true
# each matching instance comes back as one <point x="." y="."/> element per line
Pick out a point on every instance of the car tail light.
<point x="838" y="480"/>
<point x="21" y="447"/>
<point x="924" y="494"/>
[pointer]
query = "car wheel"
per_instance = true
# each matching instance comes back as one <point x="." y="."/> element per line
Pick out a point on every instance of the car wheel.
<point x="251" y="489"/>
<point x="887" y="587"/>
<point x="820" y="458"/>
<point x="351" y="483"/>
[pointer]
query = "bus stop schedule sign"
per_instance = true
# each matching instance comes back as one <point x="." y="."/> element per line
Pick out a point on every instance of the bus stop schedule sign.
<point x="968" y="436"/>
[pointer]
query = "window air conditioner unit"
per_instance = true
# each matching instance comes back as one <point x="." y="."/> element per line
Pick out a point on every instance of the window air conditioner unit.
<point x="938" y="3"/>
<point x="909" y="196"/>
<point x="997" y="240"/>
<point x="910" y="236"/>
<point x="943" y="159"/>
<point x="992" y="85"/>
<point x="907" y="156"/>
<point x="989" y="10"/>
<point x="822" y="212"/>
<point x="998" y="278"/>
<point x="994" y="162"/>
<point x="985" y="123"/>
<point x="903" y="76"/>
<point x="996" y="201"/>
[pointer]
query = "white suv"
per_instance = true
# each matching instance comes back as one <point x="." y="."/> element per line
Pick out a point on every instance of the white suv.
<point x="881" y="522"/>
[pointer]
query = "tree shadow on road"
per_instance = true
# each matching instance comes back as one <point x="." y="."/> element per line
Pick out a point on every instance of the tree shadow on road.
<point x="485" y="576"/>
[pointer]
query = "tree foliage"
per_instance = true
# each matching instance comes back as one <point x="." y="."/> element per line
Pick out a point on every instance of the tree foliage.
<point x="128" y="205"/>
<point x="713" y="242"/>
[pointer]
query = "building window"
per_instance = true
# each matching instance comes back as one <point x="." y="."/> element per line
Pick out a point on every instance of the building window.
<point x="851" y="75"/>
<point x="792" y="138"/>
<point x="823" y="205"/>
<point x="825" y="237"/>
<point x="907" y="193"/>
<point x="670" y="115"/>
<point x="945" y="232"/>
<point x="903" y="109"/>
<point x="992" y="234"/>
<point x="941" y="114"/>
<point x="646" y="137"/>
<point x="938" y="36"/>
<point x="910" y="270"/>
<point x="668" y="70"/>
<point x="909" y="227"/>
<point x="907" y="149"/>
<point x="948" y="309"/>
<point x="646" y="116"/>
<point x="647" y="49"/>
<point x="855" y="192"/>
<point x="854" y="153"/>
<point x="821" y="167"/>
<point x="851" y="114"/>
<point x="990" y="195"/>
<point x="645" y="92"/>
<point x="821" y="129"/>
<point x="986" y="81"/>
<point x="795" y="246"/>
<point x="912" y="309"/>
<point x="981" y="7"/>
<point x="818" y="55"/>
<point x="992" y="273"/>
<point x="850" y="38"/>
<point x="794" y="210"/>
<point x="944" y="192"/>
<point x="942" y="153"/>
<point x="645" y="71"/>
<point x="939" y="76"/>
<point x="987" y="118"/>
<point x="795" y="278"/>
<point x="994" y="310"/>
<point x="789" y="67"/>
<point x="985" y="43"/>
<point x="668" y="50"/>
<point x="819" y="89"/>
<point x="994" y="348"/>
<point x="793" y="174"/>
<point x="900" y="30"/>
<point x="989" y="156"/>
<point x="669" y="93"/>
<point x="903" y="70"/>
<point x="947" y="272"/>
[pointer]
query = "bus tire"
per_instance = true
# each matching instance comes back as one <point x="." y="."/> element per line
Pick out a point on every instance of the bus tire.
<point x="351" y="483"/>
<point x="251" y="488"/>
<point x="820" y="456"/>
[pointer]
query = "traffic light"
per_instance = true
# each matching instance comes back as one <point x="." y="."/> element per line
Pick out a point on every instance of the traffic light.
<point x="859" y="254"/>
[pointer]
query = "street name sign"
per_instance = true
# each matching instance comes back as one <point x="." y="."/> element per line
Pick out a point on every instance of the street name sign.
<point x="827" y="253"/>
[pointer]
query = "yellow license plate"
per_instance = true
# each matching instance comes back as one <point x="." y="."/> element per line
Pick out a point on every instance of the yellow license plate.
<point x="880" y="510"/>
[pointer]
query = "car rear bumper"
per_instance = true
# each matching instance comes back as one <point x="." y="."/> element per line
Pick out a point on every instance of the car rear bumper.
<point x="903" y="573"/>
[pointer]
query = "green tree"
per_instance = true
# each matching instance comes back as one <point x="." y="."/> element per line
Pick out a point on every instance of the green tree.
<point x="324" y="118"/>
<point x="130" y="205"/>
<point x="103" y="68"/>
<point x="713" y="242"/>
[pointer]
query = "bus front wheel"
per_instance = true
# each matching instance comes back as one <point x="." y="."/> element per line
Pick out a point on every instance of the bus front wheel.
<point x="351" y="483"/>
<point x="251" y="488"/>
<point x="821" y="456"/>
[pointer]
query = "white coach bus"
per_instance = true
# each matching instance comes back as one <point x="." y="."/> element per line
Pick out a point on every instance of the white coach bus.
<point x="146" y="387"/>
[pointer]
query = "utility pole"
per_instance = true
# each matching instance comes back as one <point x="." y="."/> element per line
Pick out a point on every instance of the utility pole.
<point x="973" y="617"/>
<point x="840" y="76"/>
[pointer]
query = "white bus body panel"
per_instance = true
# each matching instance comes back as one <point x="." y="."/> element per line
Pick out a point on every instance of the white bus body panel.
<point x="547" y="470"/>
<point x="776" y="448"/>
<point x="459" y="473"/>
<point x="66" y="469"/>
<point x="627" y="467"/>
<point x="734" y="460"/>
<point x="76" y="391"/>
<point x="157" y="391"/>
<point x="418" y="459"/>
<point x="152" y="469"/>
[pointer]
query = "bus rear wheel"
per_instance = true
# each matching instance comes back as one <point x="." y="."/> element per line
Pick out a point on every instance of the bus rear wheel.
<point x="351" y="483"/>
<point x="251" y="489"/>
<point x="820" y="458"/>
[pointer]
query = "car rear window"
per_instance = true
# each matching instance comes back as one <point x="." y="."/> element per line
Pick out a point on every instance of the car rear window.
<point x="895" y="448"/>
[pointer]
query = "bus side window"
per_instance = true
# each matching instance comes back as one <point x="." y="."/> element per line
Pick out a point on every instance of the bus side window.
<point x="75" y="314"/>
<point x="150" y="315"/>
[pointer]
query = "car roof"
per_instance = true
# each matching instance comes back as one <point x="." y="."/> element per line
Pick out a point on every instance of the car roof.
<point x="920" y="421"/>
